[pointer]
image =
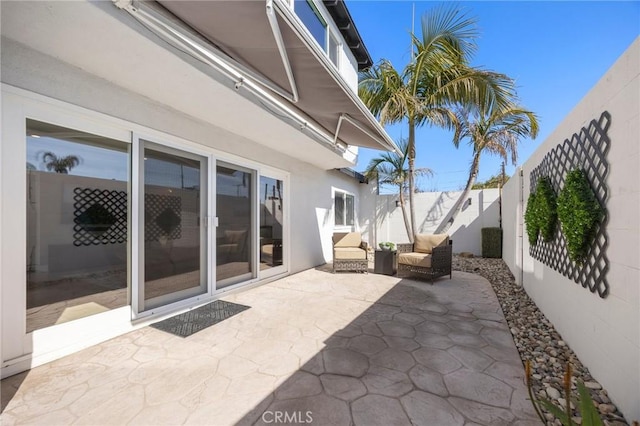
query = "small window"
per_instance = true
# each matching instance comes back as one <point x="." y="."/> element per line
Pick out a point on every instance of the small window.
<point x="312" y="19"/>
<point x="344" y="206"/>
<point x="334" y="48"/>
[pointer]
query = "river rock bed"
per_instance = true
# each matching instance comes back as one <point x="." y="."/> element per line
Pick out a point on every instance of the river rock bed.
<point x="538" y="341"/>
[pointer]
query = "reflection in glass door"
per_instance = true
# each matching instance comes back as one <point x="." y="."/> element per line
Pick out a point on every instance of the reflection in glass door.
<point x="271" y="224"/>
<point x="175" y="203"/>
<point x="234" y="234"/>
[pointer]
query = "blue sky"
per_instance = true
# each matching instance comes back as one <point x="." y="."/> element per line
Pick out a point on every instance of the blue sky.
<point x="555" y="51"/>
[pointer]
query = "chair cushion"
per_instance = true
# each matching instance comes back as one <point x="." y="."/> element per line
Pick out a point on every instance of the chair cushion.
<point x="234" y="237"/>
<point x="267" y="249"/>
<point x="349" y="253"/>
<point x="349" y="239"/>
<point x="424" y="243"/>
<point x="415" y="259"/>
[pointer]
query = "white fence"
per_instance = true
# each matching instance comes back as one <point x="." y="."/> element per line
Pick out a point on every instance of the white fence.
<point x="604" y="332"/>
<point x="433" y="209"/>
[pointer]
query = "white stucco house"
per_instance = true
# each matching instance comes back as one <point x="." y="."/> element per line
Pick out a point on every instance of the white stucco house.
<point x="158" y="154"/>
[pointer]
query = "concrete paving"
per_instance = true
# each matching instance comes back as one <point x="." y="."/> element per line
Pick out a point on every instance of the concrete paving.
<point x="315" y="348"/>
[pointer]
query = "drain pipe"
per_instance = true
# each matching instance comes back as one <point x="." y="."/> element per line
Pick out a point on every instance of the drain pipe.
<point x="521" y="226"/>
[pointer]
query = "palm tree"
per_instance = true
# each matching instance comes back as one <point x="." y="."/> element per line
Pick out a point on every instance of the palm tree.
<point x="60" y="164"/>
<point x="495" y="132"/>
<point x="437" y="77"/>
<point x="390" y="168"/>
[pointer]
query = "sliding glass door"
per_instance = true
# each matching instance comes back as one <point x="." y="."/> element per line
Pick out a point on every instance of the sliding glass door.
<point x="173" y="237"/>
<point x="272" y="225"/>
<point x="235" y="233"/>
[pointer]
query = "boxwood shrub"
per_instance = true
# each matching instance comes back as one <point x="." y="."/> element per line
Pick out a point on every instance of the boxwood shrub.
<point x="541" y="216"/>
<point x="579" y="212"/>
<point x="531" y="221"/>
<point x="546" y="209"/>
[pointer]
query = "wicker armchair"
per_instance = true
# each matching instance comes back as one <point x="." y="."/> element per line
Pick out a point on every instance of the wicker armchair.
<point x="430" y="256"/>
<point x="350" y="252"/>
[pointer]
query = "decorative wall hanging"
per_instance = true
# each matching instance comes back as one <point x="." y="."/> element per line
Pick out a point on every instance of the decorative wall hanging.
<point x="100" y="216"/>
<point x="586" y="151"/>
<point x="162" y="217"/>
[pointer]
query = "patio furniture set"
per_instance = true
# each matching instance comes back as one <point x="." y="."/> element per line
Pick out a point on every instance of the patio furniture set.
<point x="429" y="256"/>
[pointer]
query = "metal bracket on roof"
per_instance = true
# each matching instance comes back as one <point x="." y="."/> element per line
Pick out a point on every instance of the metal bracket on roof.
<point x="277" y="35"/>
<point x="346" y="117"/>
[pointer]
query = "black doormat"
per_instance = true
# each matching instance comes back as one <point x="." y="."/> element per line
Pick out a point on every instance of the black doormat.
<point x="191" y="322"/>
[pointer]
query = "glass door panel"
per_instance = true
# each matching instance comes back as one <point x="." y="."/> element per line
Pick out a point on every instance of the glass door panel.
<point x="271" y="223"/>
<point x="234" y="234"/>
<point x="77" y="224"/>
<point x="175" y="203"/>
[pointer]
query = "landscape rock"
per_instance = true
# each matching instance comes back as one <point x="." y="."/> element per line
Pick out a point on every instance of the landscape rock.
<point x="538" y="341"/>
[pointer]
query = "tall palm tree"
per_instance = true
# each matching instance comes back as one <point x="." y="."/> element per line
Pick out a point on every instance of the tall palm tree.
<point x="437" y="77"/>
<point x="60" y="164"/>
<point x="390" y="168"/>
<point x="497" y="132"/>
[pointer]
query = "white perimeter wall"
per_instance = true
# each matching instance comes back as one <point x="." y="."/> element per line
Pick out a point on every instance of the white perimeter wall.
<point x="605" y="333"/>
<point x="383" y="220"/>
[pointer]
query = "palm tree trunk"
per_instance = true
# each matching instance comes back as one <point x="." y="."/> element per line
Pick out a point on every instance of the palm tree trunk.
<point x="457" y="207"/>
<point x="404" y="213"/>
<point x="412" y="169"/>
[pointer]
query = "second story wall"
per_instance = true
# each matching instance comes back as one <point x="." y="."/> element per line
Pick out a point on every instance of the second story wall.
<point x="341" y="57"/>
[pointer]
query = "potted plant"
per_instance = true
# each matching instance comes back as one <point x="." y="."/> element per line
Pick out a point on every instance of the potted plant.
<point x="386" y="245"/>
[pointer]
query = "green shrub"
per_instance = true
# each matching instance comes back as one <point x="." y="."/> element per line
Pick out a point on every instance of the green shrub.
<point x="492" y="242"/>
<point x="530" y="219"/>
<point x="579" y="213"/>
<point x="387" y="245"/>
<point x="541" y="216"/>
<point x="546" y="209"/>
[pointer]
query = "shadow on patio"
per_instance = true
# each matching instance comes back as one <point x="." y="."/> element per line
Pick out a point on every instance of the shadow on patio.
<point x="315" y="348"/>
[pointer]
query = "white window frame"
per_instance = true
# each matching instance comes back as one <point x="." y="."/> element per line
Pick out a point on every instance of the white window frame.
<point x="330" y="31"/>
<point x="337" y="192"/>
<point x="331" y="34"/>
<point x="19" y="350"/>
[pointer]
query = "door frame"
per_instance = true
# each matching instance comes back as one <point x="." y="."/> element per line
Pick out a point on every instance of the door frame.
<point x="137" y="222"/>
<point x="286" y="240"/>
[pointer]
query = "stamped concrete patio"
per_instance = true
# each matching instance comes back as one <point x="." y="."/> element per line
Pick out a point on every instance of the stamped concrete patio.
<point x="314" y="348"/>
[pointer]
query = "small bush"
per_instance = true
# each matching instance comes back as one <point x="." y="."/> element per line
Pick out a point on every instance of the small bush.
<point x="492" y="242"/>
<point x="531" y="221"/>
<point x="546" y="209"/>
<point x="579" y="212"/>
<point x="387" y="245"/>
<point x="541" y="216"/>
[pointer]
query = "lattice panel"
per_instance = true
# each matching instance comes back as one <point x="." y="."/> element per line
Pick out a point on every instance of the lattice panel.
<point x="162" y="217"/>
<point x="586" y="150"/>
<point x="100" y="216"/>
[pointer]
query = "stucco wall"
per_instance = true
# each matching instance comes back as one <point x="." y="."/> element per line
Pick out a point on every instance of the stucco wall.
<point x="605" y="333"/>
<point x="311" y="187"/>
<point x="512" y="225"/>
<point x="385" y="223"/>
<point x="96" y="88"/>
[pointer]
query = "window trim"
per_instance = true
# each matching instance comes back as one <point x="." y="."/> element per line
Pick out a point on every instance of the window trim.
<point x="343" y="193"/>
<point x="330" y="30"/>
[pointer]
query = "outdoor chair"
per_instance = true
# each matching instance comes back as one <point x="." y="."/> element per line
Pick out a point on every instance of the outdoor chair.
<point x="349" y="252"/>
<point x="429" y="256"/>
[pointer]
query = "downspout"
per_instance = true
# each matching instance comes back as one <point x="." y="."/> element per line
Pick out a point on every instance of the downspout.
<point x="521" y="226"/>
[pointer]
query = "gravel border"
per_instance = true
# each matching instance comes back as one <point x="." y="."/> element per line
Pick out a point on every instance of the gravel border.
<point x="538" y="341"/>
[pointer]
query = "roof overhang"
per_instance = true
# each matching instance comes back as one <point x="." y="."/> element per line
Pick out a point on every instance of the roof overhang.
<point x="341" y="16"/>
<point x="264" y="43"/>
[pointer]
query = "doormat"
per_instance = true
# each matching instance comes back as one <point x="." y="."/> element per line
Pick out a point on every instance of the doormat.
<point x="191" y="322"/>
